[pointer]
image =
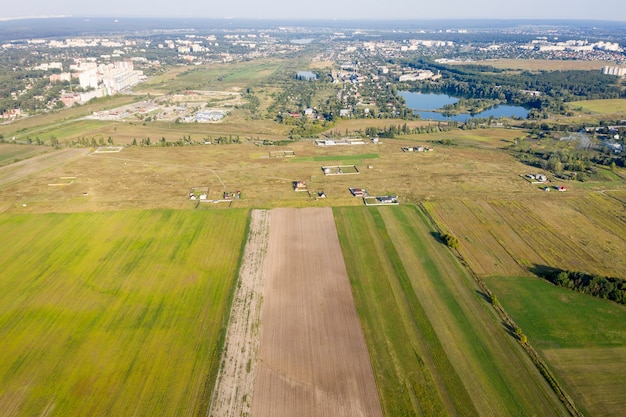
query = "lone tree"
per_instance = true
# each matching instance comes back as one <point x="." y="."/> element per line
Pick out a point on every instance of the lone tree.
<point x="450" y="240"/>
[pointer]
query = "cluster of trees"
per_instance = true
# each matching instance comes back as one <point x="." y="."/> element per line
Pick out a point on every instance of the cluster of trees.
<point x="610" y="288"/>
<point x="569" y="163"/>
<point x="450" y="240"/>
<point x="186" y="140"/>
<point x="396" y="130"/>
<point x="252" y="103"/>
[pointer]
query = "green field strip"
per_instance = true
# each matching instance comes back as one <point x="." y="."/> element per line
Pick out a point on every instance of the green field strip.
<point x="405" y="383"/>
<point x="444" y="369"/>
<point x="13" y="153"/>
<point x="496" y="372"/>
<point x="114" y="313"/>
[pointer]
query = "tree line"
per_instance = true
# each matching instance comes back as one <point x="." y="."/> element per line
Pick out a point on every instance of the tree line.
<point x="610" y="288"/>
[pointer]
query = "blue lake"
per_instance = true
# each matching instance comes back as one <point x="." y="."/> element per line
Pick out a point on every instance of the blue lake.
<point x="423" y="105"/>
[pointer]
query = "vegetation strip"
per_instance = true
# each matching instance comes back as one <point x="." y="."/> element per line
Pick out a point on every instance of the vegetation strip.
<point x="232" y="395"/>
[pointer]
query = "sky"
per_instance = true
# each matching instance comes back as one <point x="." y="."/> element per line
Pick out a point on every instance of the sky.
<point x="322" y="9"/>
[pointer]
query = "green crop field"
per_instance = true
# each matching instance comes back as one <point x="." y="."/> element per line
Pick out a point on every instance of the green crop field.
<point x="436" y="347"/>
<point x="114" y="313"/>
<point x="582" y="337"/>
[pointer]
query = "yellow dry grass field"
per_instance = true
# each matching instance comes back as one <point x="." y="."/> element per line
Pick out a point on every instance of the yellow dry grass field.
<point x="593" y="375"/>
<point x="501" y="237"/>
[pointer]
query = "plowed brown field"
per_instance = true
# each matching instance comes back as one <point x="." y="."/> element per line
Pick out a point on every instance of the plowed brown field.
<point x="313" y="360"/>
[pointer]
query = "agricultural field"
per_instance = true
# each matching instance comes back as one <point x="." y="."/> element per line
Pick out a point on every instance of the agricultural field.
<point x="14" y="153"/>
<point x="582" y="338"/>
<point x="313" y="359"/>
<point x="516" y="237"/>
<point x="114" y="313"/>
<point x="435" y="345"/>
<point x="14" y="173"/>
<point x="213" y="77"/>
<point x="133" y="282"/>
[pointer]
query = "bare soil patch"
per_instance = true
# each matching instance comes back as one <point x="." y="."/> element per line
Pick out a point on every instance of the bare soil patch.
<point x="313" y="360"/>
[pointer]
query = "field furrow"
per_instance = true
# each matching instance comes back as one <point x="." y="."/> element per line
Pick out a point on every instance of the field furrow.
<point x="475" y="366"/>
<point x="313" y="358"/>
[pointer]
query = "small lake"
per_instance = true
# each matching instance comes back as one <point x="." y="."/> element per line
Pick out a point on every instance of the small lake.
<point x="306" y="75"/>
<point x="423" y="105"/>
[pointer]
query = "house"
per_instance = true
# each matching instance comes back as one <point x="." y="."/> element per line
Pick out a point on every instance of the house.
<point x="299" y="186"/>
<point x="358" y="192"/>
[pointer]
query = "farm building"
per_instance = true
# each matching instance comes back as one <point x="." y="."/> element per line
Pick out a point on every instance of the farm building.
<point x="344" y="141"/>
<point x="388" y="199"/>
<point x="340" y="170"/>
<point x="299" y="186"/>
<point x="416" y="149"/>
<point x="358" y="192"/>
<point x="381" y="200"/>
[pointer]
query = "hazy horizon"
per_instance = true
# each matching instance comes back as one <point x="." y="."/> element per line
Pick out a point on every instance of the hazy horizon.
<point x="612" y="10"/>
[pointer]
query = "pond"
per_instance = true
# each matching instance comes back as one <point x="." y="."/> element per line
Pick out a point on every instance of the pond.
<point x="424" y="104"/>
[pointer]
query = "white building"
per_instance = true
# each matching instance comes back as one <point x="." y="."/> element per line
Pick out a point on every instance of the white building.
<point x="618" y="71"/>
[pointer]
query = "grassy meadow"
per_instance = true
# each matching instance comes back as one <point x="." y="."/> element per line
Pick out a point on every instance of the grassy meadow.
<point x="114" y="313"/>
<point x="14" y="153"/>
<point x="583" y="338"/>
<point x="436" y="347"/>
<point x="601" y="106"/>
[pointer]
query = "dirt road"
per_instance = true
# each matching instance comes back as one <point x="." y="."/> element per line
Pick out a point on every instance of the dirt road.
<point x="232" y="396"/>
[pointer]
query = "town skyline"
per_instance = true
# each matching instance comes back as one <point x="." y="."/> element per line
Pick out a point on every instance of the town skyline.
<point x="320" y="10"/>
